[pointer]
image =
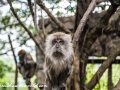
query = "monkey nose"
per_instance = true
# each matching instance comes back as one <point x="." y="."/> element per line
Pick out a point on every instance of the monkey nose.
<point x="57" y="45"/>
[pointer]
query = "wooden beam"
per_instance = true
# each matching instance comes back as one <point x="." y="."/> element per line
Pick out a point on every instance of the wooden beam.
<point x="97" y="61"/>
<point x="110" y="85"/>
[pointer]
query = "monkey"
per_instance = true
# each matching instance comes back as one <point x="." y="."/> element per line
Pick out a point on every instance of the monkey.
<point x="26" y="66"/>
<point x="59" y="58"/>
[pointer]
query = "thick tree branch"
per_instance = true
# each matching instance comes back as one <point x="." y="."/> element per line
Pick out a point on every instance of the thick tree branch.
<point x="102" y="24"/>
<point x="93" y="34"/>
<point x="113" y="22"/>
<point x="102" y="69"/>
<point x="82" y="23"/>
<point x="26" y="29"/>
<point x="16" y="71"/>
<point x="42" y="5"/>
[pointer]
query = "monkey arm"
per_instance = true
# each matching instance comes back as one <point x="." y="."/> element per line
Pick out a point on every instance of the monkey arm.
<point x="30" y="64"/>
<point x="21" y="69"/>
<point x="31" y="68"/>
<point x="28" y="69"/>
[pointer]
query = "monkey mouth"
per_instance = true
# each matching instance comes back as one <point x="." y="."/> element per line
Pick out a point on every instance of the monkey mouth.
<point x="57" y="54"/>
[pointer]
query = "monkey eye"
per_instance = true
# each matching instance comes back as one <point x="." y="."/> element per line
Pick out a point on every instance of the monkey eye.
<point x="54" y="41"/>
<point x="61" y="41"/>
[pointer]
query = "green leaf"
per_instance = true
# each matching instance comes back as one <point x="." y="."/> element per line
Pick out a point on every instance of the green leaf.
<point x="58" y="13"/>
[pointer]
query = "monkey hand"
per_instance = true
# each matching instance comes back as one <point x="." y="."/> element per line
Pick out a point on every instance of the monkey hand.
<point x="27" y="81"/>
<point x="61" y="87"/>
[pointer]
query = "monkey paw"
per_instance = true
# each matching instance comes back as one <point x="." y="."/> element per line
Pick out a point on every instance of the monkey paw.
<point x="27" y="82"/>
<point x="61" y="87"/>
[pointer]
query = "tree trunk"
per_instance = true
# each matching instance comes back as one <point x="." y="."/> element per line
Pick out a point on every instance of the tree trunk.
<point x="80" y="56"/>
<point x="40" y="63"/>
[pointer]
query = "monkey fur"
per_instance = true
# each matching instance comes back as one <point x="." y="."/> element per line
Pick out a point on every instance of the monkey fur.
<point x="59" y="58"/>
<point x="26" y="66"/>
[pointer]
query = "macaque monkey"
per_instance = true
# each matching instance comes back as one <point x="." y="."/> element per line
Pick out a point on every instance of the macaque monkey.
<point x="26" y="66"/>
<point x="58" y="60"/>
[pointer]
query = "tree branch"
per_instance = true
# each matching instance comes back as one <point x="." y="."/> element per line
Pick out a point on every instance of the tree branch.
<point x="102" y="69"/>
<point x="3" y="53"/>
<point x="82" y="23"/>
<point x="16" y="71"/>
<point x="33" y="12"/>
<point x="42" y="5"/>
<point x="26" y="29"/>
<point x="99" y="1"/>
<point x="31" y="9"/>
<point x="102" y="24"/>
<point x="35" y="16"/>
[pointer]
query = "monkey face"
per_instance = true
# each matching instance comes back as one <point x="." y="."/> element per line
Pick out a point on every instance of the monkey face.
<point x="57" y="44"/>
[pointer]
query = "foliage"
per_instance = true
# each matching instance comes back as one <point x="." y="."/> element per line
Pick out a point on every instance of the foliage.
<point x="102" y="85"/>
<point x="10" y="25"/>
<point x="4" y="70"/>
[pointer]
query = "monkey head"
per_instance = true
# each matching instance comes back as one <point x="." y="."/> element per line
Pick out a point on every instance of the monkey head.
<point x="21" y="54"/>
<point x="57" y="44"/>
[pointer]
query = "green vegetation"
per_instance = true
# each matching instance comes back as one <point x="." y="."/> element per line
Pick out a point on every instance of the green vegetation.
<point x="91" y="70"/>
<point x="5" y="71"/>
<point x="7" y="75"/>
